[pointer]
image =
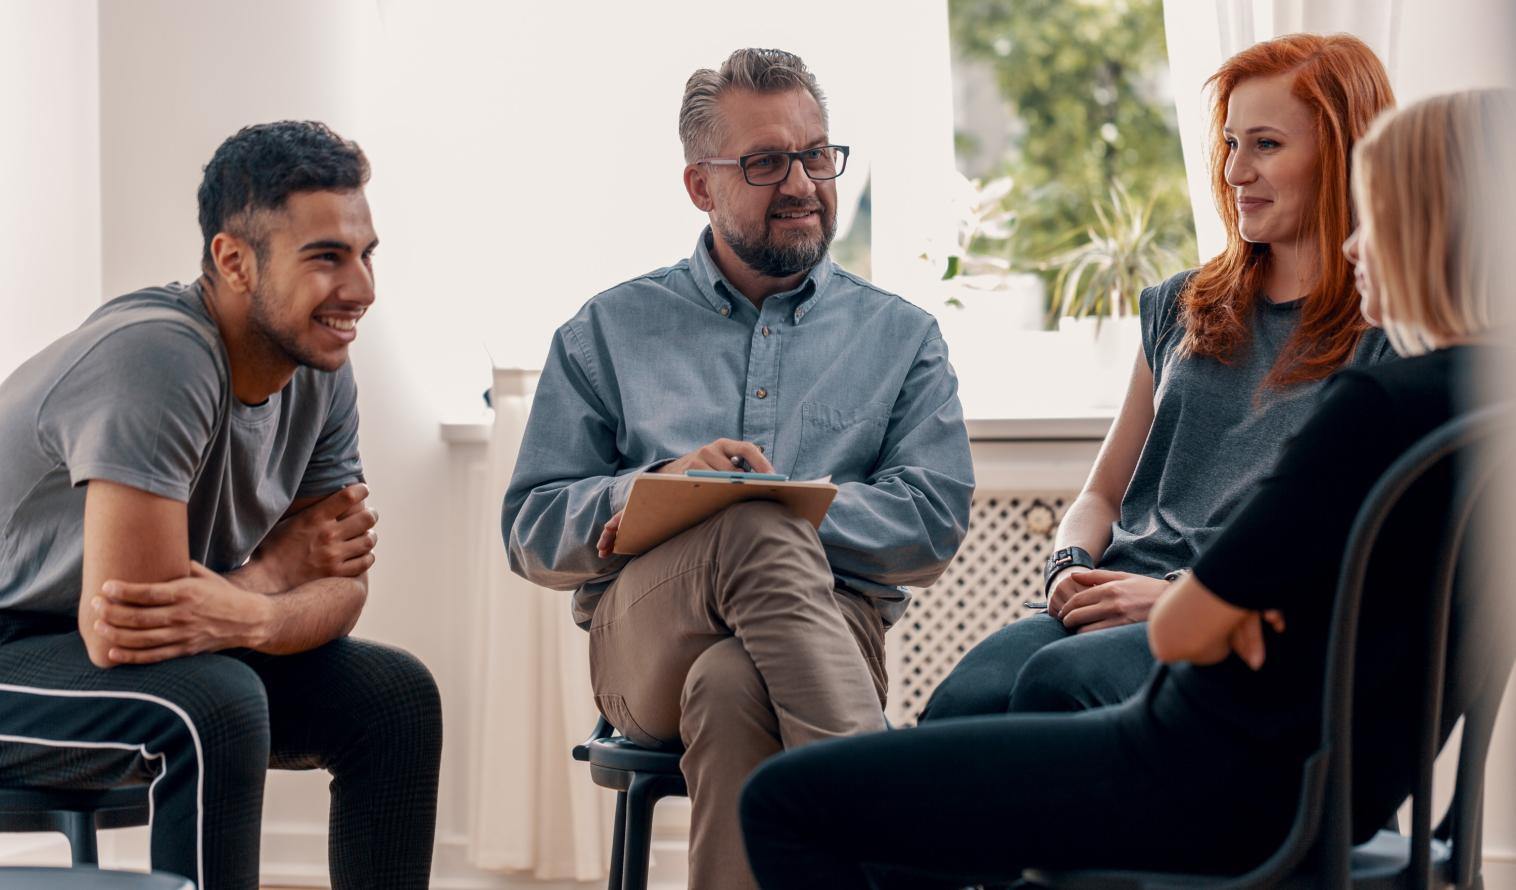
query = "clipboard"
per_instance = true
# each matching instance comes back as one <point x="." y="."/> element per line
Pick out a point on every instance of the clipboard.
<point x="662" y="505"/>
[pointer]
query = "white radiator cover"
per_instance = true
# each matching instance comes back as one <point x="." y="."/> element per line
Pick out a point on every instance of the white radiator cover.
<point x="998" y="567"/>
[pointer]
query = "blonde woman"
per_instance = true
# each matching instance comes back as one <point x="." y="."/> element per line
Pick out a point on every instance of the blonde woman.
<point x="1200" y="770"/>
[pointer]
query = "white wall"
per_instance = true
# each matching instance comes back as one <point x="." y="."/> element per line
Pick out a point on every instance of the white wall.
<point x="49" y="173"/>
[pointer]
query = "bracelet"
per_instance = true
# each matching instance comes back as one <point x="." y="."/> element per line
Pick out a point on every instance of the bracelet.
<point x="1063" y="559"/>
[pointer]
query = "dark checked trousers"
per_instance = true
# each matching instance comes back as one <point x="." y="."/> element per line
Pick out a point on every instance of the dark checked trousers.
<point x="203" y="730"/>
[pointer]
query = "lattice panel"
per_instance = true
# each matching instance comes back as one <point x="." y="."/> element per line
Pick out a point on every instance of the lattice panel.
<point x="999" y="566"/>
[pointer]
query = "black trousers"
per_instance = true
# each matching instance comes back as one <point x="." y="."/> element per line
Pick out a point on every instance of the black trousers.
<point x="204" y="729"/>
<point x="976" y="800"/>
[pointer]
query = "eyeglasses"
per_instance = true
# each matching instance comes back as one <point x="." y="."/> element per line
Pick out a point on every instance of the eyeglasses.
<point x="769" y="167"/>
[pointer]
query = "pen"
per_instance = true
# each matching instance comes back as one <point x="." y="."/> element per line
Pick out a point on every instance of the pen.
<point x="741" y="463"/>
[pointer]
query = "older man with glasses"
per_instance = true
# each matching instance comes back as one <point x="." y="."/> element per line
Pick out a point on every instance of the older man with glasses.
<point x="751" y="632"/>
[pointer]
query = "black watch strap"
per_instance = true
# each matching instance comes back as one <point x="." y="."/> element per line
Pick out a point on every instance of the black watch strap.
<point x="1060" y="560"/>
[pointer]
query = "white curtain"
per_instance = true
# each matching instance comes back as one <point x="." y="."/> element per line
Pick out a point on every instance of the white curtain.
<point x="1203" y="33"/>
<point x="535" y="810"/>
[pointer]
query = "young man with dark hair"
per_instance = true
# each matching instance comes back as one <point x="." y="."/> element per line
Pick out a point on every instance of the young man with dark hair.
<point x="752" y="632"/>
<point x="184" y="539"/>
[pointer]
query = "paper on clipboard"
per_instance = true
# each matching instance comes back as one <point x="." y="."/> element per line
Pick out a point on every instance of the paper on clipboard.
<point x="663" y="505"/>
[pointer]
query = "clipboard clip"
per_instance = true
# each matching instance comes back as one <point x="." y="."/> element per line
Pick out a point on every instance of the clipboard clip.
<point x="738" y="477"/>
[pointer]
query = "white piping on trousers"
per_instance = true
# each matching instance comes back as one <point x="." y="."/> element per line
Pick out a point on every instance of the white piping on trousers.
<point x="194" y="736"/>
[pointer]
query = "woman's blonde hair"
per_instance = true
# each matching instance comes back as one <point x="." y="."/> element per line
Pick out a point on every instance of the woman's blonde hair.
<point x="1432" y="183"/>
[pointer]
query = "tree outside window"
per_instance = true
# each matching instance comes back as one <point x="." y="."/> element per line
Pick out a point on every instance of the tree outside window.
<point x="1083" y="109"/>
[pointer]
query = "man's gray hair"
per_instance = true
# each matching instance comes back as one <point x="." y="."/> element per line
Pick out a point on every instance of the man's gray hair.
<point x="757" y="70"/>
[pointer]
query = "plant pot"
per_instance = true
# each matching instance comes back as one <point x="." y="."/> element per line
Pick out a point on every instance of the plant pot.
<point x="1101" y="351"/>
<point x="978" y="329"/>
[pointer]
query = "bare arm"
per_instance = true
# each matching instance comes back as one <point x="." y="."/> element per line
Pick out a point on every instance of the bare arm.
<point x="127" y="534"/>
<point x="314" y="613"/>
<point x="144" y="601"/>
<point x="320" y="536"/>
<point x="1190" y="623"/>
<point x="1087" y="522"/>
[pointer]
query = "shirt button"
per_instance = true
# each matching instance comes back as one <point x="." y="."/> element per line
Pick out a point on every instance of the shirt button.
<point x="765" y="330"/>
<point x="762" y="393"/>
<point x="726" y="310"/>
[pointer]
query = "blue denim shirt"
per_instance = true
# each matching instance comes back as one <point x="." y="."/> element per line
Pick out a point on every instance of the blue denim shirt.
<point x="834" y="377"/>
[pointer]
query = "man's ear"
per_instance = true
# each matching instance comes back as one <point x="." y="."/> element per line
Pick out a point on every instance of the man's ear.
<point x="698" y="184"/>
<point x="235" y="261"/>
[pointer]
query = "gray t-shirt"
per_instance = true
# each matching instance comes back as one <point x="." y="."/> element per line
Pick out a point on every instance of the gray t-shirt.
<point x="140" y="394"/>
<point x="1214" y="433"/>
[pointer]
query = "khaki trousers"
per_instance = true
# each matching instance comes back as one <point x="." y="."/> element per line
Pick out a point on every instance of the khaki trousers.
<point x="731" y="638"/>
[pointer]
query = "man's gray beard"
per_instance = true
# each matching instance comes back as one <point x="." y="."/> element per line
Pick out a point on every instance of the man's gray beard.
<point x="781" y="262"/>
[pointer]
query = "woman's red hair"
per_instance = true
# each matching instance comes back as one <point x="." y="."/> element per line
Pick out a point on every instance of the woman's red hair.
<point x="1345" y="85"/>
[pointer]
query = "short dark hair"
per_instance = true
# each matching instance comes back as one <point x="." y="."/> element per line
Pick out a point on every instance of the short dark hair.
<point x="259" y="167"/>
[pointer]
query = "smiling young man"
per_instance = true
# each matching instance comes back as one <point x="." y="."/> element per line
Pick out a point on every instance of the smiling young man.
<point x="186" y="539"/>
<point x="751" y="632"/>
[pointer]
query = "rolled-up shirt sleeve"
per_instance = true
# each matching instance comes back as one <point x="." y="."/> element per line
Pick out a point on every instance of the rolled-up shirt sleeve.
<point x="903" y="524"/>
<point x="568" y="480"/>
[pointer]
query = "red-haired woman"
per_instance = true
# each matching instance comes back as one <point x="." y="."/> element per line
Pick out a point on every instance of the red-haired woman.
<point x="1232" y="357"/>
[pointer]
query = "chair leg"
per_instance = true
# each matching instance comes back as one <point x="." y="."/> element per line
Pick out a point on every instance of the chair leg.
<point x="618" y="842"/>
<point x="641" y="797"/>
<point x="80" y="830"/>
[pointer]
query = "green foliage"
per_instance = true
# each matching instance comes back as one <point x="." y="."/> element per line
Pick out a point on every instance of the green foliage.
<point x="1120" y="255"/>
<point x="1083" y="78"/>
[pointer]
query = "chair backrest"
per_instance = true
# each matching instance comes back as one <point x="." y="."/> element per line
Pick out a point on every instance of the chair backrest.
<point x="1324" y="815"/>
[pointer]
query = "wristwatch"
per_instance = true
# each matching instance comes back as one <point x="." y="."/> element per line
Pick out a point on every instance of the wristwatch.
<point x="1060" y="560"/>
<point x="1176" y="574"/>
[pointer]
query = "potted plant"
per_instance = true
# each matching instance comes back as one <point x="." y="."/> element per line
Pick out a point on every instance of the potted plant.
<point x="1097" y="284"/>
<point x="1121" y="254"/>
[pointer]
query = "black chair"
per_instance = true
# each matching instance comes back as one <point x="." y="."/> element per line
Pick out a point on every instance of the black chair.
<point x="77" y="814"/>
<point x="1318" y="852"/>
<point x="90" y="879"/>
<point x="641" y="778"/>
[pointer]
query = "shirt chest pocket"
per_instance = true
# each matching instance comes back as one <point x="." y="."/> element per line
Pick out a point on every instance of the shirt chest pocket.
<point x="841" y="442"/>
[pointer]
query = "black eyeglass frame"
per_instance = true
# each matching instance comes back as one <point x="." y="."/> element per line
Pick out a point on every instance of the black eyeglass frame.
<point x="790" y="158"/>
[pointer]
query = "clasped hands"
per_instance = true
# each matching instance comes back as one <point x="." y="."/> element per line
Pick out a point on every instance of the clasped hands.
<point x="1092" y="599"/>
<point x="718" y="455"/>
<point x="204" y="611"/>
